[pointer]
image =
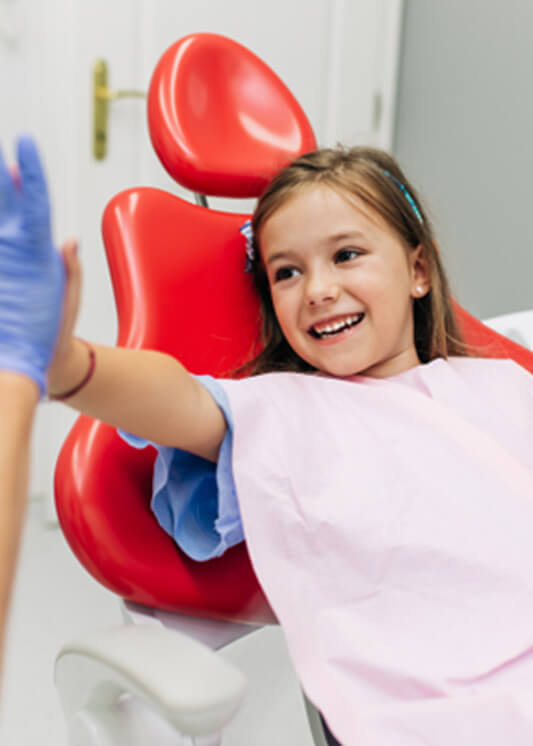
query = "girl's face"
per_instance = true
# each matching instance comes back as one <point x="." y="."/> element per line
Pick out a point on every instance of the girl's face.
<point x="342" y="284"/>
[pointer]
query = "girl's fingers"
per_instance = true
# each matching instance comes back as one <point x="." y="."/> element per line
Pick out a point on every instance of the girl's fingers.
<point x="71" y="300"/>
<point x="69" y="249"/>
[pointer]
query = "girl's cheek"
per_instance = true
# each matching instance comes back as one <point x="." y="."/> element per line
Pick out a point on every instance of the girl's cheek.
<point x="285" y="312"/>
<point x="282" y="315"/>
<point x="277" y="305"/>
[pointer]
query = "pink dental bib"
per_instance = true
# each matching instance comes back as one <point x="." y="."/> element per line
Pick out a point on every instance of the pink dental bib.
<point x="390" y="523"/>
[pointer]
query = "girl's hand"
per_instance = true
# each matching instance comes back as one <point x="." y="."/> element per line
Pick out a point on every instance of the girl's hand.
<point x="58" y="372"/>
<point x="32" y="274"/>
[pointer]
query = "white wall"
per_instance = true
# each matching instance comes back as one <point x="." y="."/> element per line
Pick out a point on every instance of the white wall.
<point x="463" y="131"/>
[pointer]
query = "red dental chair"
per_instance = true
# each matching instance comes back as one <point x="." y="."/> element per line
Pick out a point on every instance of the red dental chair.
<point x="222" y="124"/>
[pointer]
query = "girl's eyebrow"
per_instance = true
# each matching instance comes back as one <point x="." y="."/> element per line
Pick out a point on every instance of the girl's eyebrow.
<point x="279" y="255"/>
<point x="344" y="236"/>
<point x="336" y="238"/>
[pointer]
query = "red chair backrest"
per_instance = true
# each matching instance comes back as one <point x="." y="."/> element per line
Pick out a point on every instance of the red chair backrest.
<point x="177" y="273"/>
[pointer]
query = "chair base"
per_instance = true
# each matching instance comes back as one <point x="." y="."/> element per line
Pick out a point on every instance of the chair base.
<point x="220" y="636"/>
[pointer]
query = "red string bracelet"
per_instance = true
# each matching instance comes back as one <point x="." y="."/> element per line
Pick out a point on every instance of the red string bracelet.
<point x="84" y="381"/>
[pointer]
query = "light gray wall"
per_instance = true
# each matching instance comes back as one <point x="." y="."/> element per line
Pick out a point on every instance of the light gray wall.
<point x="464" y="131"/>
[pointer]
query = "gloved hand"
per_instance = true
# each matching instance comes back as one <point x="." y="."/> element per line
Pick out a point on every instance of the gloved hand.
<point x="32" y="274"/>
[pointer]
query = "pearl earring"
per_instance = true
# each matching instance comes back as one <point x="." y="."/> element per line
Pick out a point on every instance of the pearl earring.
<point x="419" y="289"/>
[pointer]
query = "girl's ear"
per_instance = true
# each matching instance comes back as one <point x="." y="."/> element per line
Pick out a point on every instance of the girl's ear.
<point x="421" y="281"/>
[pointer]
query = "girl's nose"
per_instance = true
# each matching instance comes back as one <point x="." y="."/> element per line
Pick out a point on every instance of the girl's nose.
<point x="321" y="289"/>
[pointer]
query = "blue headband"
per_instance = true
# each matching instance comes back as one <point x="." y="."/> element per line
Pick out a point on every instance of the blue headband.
<point x="406" y="195"/>
<point x="247" y="230"/>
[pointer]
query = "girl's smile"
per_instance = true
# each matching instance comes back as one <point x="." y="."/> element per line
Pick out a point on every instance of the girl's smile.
<point x="342" y="284"/>
<point x="332" y="330"/>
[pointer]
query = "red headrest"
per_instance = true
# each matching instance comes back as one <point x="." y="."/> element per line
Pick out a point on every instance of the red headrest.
<point x="221" y="121"/>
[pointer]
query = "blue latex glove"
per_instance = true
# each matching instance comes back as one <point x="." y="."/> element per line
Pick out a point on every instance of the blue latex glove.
<point x="32" y="274"/>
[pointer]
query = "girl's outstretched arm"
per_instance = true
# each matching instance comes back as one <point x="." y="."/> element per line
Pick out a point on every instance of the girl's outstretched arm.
<point x="144" y="392"/>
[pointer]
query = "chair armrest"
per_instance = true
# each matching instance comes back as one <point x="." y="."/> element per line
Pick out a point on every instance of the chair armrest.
<point x="189" y="685"/>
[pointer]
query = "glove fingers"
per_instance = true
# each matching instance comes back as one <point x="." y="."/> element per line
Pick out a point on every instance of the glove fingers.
<point x="8" y="191"/>
<point x="35" y="204"/>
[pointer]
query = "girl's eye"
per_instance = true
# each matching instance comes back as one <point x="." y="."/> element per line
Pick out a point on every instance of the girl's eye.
<point x="344" y="255"/>
<point x="284" y="273"/>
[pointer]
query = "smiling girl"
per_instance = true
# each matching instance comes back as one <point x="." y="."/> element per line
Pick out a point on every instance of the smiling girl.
<point x="382" y="477"/>
<point x="349" y="218"/>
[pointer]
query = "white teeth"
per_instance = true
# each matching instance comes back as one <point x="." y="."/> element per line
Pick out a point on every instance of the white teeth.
<point x="331" y="328"/>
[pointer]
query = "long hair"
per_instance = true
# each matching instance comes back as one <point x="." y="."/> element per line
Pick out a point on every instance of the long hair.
<point x="373" y="177"/>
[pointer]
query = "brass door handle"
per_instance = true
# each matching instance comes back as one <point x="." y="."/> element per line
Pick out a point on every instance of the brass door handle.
<point x="102" y="95"/>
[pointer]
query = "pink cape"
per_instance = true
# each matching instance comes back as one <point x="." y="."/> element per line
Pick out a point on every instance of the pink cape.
<point x="390" y="522"/>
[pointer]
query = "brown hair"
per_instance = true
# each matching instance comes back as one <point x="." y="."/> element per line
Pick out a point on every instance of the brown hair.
<point x="361" y="172"/>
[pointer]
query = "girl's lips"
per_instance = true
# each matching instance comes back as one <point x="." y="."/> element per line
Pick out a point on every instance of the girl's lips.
<point x="332" y="320"/>
<point x="339" y="336"/>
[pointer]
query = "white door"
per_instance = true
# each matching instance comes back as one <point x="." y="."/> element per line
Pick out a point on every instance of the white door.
<point x="337" y="56"/>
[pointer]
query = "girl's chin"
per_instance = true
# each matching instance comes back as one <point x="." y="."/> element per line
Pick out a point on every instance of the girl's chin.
<point x="341" y="370"/>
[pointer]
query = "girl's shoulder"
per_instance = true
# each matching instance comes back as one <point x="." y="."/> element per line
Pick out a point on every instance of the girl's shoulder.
<point x="482" y="366"/>
<point x="467" y="368"/>
<point x="490" y="377"/>
<point x="478" y="373"/>
<point x="497" y="385"/>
